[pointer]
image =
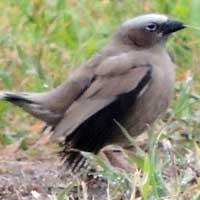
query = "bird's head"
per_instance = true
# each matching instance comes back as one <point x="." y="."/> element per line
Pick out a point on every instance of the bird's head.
<point x="148" y="30"/>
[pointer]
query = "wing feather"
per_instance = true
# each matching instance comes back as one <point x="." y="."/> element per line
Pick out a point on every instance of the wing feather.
<point x="103" y="91"/>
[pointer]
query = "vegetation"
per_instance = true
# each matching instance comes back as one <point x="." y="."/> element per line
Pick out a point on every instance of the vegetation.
<point x="41" y="41"/>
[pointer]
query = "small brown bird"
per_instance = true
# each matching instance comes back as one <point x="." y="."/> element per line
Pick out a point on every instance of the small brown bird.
<point x="130" y="81"/>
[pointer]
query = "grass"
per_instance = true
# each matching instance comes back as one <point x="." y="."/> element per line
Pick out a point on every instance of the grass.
<point x="42" y="41"/>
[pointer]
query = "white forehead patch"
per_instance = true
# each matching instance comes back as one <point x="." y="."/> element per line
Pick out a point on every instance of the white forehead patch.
<point x="143" y="19"/>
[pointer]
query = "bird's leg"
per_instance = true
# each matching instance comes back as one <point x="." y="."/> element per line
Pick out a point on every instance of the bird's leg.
<point x="118" y="158"/>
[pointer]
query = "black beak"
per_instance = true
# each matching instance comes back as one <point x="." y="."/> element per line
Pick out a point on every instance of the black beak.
<point x="171" y="26"/>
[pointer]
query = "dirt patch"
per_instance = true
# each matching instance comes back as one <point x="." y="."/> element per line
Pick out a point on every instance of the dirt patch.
<point x="23" y="177"/>
<point x="29" y="179"/>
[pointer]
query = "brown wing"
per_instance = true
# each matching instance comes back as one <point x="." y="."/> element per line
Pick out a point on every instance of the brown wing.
<point x="88" y="123"/>
<point x="104" y="90"/>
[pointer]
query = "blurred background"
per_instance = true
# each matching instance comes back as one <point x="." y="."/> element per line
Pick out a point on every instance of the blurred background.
<point x="41" y="41"/>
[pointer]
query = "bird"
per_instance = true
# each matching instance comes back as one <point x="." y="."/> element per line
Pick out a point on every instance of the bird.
<point x="130" y="81"/>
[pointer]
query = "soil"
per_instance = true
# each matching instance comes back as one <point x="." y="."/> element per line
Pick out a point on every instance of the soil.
<point x="27" y="177"/>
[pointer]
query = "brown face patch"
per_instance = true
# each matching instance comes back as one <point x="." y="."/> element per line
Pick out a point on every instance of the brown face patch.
<point x="142" y="38"/>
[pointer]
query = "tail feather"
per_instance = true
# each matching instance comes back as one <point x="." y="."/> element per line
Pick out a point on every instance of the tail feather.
<point x="15" y="97"/>
<point x="30" y="104"/>
<point x="74" y="161"/>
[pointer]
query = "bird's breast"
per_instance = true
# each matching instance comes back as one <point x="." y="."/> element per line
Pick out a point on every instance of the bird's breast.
<point x="154" y="99"/>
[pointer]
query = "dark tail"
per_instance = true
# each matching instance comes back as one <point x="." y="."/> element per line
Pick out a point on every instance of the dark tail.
<point x="15" y="98"/>
<point x="75" y="161"/>
<point x="30" y="102"/>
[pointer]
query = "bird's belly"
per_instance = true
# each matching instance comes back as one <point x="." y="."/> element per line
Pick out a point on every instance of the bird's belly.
<point x="147" y="108"/>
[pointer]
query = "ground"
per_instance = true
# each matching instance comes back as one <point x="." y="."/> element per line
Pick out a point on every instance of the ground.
<point x="22" y="177"/>
<point x="41" y="177"/>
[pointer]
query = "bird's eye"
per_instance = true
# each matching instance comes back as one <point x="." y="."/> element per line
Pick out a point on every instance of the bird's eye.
<point x="151" y="27"/>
